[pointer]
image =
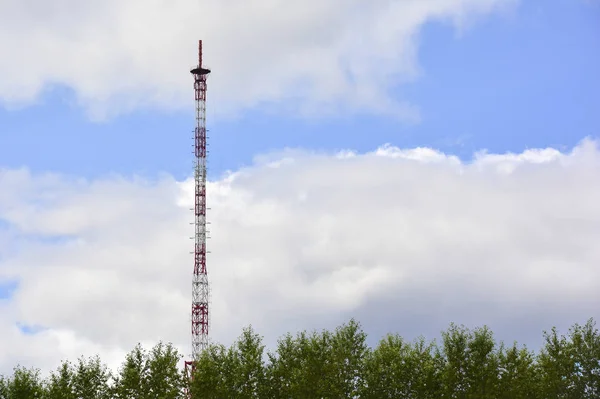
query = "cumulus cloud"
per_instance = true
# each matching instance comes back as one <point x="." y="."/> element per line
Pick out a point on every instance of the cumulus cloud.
<point x="406" y="240"/>
<point x="312" y="56"/>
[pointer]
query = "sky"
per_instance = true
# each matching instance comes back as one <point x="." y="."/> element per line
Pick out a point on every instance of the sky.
<point x="407" y="163"/>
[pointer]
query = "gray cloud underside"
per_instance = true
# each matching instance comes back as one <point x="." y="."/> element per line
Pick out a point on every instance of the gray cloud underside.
<point x="405" y="240"/>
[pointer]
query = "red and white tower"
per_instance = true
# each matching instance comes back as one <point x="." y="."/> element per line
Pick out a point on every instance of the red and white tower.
<point x="200" y="288"/>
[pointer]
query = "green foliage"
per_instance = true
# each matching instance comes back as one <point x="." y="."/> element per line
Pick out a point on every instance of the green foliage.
<point x="61" y="383"/>
<point x="348" y="352"/>
<point x="455" y="346"/>
<point x="398" y="369"/>
<point x="91" y="379"/>
<point x="467" y="364"/>
<point x="318" y="364"/>
<point x="164" y="379"/>
<point x="146" y="375"/>
<point x="585" y="343"/>
<point x="238" y="372"/>
<point x="282" y="371"/>
<point x="3" y="387"/>
<point x="482" y="368"/>
<point x="470" y="363"/>
<point x="557" y="366"/>
<point x="314" y="354"/>
<point x="24" y="384"/>
<point x="517" y="374"/>
<point x="249" y="372"/>
<point x="388" y="373"/>
<point x="570" y="365"/>
<point x="132" y="380"/>
<point x="212" y="379"/>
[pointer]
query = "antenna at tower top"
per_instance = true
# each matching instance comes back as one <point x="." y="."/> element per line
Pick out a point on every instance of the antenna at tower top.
<point x="199" y="70"/>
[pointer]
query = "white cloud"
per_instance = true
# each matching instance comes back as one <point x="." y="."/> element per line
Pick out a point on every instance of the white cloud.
<point x="318" y="55"/>
<point x="406" y="240"/>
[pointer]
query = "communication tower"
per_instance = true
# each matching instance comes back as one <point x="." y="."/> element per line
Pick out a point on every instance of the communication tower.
<point x="200" y="287"/>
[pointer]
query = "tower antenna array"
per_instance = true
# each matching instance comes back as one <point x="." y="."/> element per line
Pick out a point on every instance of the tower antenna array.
<point x="200" y="288"/>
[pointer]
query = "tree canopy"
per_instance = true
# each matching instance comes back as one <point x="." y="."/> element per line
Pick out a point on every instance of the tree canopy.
<point x="465" y="364"/>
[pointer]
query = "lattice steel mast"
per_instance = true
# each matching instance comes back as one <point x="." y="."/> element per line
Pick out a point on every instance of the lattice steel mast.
<point x="200" y="287"/>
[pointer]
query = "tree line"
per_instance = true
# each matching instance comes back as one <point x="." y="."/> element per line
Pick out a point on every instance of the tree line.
<point x="464" y="364"/>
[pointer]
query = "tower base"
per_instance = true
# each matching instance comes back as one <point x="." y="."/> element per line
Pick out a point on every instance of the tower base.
<point x="190" y="368"/>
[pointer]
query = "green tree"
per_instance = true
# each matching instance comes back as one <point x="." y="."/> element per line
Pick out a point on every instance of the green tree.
<point x="397" y="369"/>
<point x="91" y="379"/>
<point x="3" y="387"/>
<point x="164" y="380"/>
<point x="60" y="384"/>
<point x="301" y="366"/>
<point x="386" y="371"/>
<point x="427" y="363"/>
<point x="518" y="377"/>
<point x="482" y="366"/>
<point x="585" y="346"/>
<point x="282" y="369"/>
<point x="348" y="351"/>
<point x="315" y="364"/>
<point x="471" y="363"/>
<point x="237" y="372"/>
<point x="557" y="367"/>
<point x="455" y="350"/>
<point x="24" y="384"/>
<point x="211" y="379"/>
<point x="249" y="365"/>
<point x="132" y="380"/>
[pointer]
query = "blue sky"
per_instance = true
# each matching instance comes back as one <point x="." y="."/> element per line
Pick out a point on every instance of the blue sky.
<point x="516" y="80"/>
